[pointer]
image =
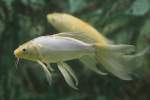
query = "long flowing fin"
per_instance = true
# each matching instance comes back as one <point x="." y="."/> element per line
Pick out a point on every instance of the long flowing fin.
<point x="121" y="48"/>
<point x="76" y="35"/>
<point x="68" y="74"/>
<point x="47" y="72"/>
<point x="90" y="62"/>
<point x="112" y="57"/>
<point x="82" y="37"/>
<point x="139" y="54"/>
<point x="135" y="59"/>
<point x="49" y="67"/>
<point x="71" y="72"/>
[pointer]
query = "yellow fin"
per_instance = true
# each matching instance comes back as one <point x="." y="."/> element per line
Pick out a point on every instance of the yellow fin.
<point x="114" y="60"/>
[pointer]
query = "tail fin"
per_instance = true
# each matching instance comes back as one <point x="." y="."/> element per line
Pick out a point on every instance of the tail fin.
<point x="113" y="58"/>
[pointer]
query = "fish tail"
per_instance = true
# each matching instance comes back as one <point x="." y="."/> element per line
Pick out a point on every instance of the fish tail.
<point x="114" y="59"/>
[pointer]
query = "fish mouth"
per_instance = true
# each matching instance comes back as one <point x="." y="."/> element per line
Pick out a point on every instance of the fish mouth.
<point x="17" y="53"/>
<point x="49" y="17"/>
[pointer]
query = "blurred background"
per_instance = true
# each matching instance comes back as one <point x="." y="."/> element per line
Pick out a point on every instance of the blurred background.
<point x="123" y="21"/>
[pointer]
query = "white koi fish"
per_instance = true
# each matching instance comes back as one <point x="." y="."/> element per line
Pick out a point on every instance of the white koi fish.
<point x="58" y="49"/>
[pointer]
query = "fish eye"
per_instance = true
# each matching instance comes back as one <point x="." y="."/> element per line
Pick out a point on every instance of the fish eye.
<point x="23" y="49"/>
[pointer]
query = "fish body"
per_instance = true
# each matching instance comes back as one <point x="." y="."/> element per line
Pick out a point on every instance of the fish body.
<point x="58" y="49"/>
<point x="55" y="49"/>
<point x="68" y="23"/>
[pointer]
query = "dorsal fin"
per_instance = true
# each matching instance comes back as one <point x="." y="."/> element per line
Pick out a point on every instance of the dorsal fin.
<point x="76" y="35"/>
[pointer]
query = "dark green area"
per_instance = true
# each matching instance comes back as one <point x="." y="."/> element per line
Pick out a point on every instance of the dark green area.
<point x="123" y="21"/>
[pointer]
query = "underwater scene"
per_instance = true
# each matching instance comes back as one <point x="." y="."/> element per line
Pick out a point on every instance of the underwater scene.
<point x="74" y="50"/>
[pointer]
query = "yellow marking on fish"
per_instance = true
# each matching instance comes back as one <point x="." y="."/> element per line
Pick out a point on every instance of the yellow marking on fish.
<point x="68" y="23"/>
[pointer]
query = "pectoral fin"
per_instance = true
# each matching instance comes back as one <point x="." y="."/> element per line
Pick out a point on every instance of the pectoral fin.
<point x="68" y="74"/>
<point x="49" y="67"/>
<point x="47" y="72"/>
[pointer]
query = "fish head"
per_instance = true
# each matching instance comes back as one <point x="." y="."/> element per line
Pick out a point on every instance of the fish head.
<point x="58" y="21"/>
<point x="62" y="22"/>
<point x="27" y="51"/>
<point x="54" y="17"/>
